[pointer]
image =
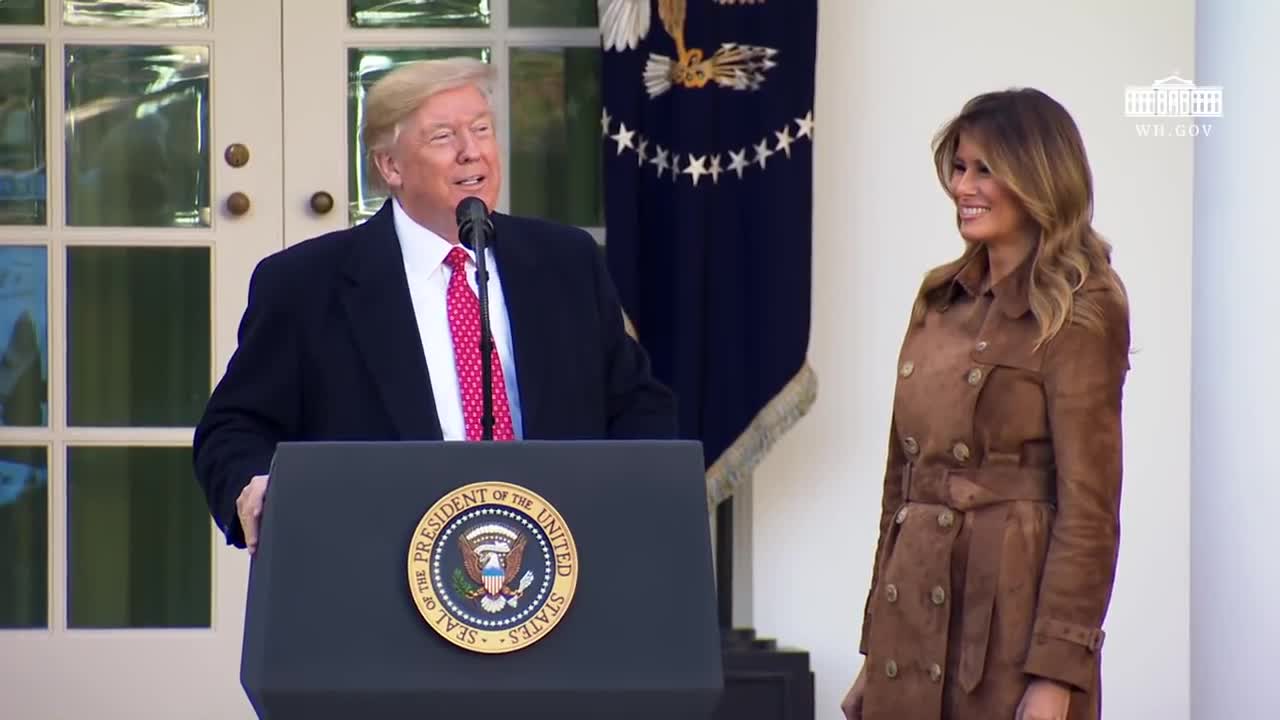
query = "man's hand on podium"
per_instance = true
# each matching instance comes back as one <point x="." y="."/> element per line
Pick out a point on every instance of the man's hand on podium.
<point x="249" y="508"/>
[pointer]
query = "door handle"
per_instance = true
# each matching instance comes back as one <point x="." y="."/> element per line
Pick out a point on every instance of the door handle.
<point x="237" y="203"/>
<point x="321" y="202"/>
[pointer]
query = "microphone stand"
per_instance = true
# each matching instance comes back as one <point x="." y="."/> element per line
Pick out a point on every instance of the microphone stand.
<point x="479" y="238"/>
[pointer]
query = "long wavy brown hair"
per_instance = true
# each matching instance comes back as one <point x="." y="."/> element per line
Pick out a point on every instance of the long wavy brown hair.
<point x="1031" y="145"/>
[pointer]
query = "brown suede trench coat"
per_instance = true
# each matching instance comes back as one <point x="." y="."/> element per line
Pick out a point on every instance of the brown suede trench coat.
<point x="1000" y="520"/>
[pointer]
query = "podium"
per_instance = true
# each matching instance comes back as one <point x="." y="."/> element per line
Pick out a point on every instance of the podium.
<point x="483" y="580"/>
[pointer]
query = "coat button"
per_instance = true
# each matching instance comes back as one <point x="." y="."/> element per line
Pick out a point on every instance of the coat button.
<point x="912" y="447"/>
<point x="938" y="596"/>
<point x="975" y="376"/>
<point x="891" y="593"/>
<point x="891" y="669"/>
<point x="907" y="368"/>
<point x="982" y="345"/>
<point x="935" y="672"/>
<point x="946" y="519"/>
<point x="902" y="516"/>
<point x="960" y="451"/>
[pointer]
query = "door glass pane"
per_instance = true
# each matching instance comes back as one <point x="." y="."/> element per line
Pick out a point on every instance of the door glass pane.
<point x="22" y="169"/>
<point x="138" y="326"/>
<point x="137" y="135"/>
<point x="24" y="537"/>
<point x="152" y="13"/>
<point x="553" y="13"/>
<point x="22" y="12"/>
<point x="419" y="13"/>
<point x="138" y="539"/>
<point x="364" y="68"/>
<point x="24" y="336"/>
<point x="555" y="135"/>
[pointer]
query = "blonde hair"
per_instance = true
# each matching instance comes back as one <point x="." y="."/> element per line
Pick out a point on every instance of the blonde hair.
<point x="1031" y="145"/>
<point x="399" y="93"/>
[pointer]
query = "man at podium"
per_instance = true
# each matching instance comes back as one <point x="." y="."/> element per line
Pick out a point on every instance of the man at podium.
<point x="373" y="332"/>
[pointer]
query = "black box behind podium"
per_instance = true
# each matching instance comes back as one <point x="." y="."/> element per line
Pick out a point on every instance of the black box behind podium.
<point x="333" y="629"/>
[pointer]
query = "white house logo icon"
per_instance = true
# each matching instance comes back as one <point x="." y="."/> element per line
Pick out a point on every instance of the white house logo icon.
<point x="1172" y="97"/>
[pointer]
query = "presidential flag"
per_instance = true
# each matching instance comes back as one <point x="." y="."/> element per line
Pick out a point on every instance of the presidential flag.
<point x="708" y="131"/>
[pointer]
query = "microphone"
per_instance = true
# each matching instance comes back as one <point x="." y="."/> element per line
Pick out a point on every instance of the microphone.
<point x="475" y="231"/>
<point x="472" y="216"/>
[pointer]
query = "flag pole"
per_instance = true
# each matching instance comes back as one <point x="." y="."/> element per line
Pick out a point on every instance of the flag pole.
<point x="724" y="564"/>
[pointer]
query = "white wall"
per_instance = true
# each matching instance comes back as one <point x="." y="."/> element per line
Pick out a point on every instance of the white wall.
<point x="1235" y="483"/>
<point x="889" y="73"/>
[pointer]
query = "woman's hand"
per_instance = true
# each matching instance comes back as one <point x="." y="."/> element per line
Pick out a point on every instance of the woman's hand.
<point x="851" y="706"/>
<point x="1044" y="700"/>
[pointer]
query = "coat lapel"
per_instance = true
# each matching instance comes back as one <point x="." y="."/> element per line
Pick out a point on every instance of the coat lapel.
<point x="378" y="306"/>
<point x="518" y="271"/>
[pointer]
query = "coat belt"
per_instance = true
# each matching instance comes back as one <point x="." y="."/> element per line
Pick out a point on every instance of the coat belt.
<point x="980" y="493"/>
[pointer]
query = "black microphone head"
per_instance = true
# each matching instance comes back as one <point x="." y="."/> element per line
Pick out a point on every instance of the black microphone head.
<point x="471" y="209"/>
<point x="472" y="216"/>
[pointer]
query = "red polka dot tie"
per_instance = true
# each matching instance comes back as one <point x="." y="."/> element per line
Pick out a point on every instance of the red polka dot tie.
<point x="464" y="325"/>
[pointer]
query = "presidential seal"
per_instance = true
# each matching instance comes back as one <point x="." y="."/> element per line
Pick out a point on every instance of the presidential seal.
<point x="492" y="567"/>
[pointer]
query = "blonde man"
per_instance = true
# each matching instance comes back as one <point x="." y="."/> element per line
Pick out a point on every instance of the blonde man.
<point x="371" y="333"/>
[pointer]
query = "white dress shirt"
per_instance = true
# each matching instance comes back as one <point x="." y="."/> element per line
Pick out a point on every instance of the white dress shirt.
<point x="424" y="254"/>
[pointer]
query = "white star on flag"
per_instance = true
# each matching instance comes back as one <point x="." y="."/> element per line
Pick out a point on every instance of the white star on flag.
<point x="661" y="161"/>
<point x="806" y="125"/>
<point x="605" y="120"/>
<point x="785" y="140"/>
<point x="738" y="161"/>
<point x="642" y="151"/>
<point x="762" y="153"/>
<point x="715" y="169"/>
<point x="623" y="138"/>
<point x="697" y="168"/>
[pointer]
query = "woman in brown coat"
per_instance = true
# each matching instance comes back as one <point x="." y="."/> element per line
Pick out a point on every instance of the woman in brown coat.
<point x="1000" y="518"/>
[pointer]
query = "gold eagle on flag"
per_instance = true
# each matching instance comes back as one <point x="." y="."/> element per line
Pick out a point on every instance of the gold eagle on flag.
<point x="624" y="23"/>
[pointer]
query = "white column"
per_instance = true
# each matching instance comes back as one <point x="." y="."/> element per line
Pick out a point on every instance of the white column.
<point x="1235" y="543"/>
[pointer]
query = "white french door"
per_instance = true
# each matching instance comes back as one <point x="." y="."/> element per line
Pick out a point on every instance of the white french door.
<point x="122" y="277"/>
